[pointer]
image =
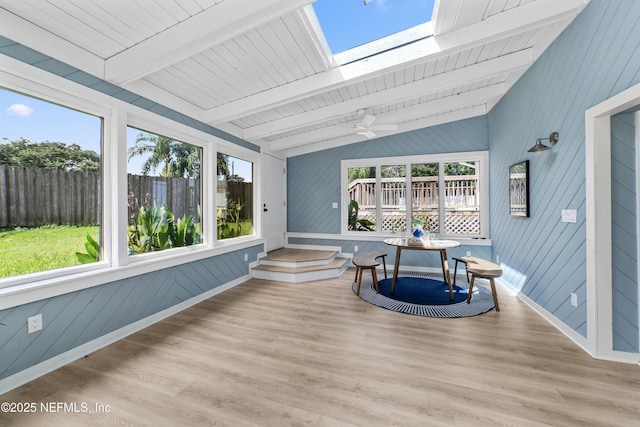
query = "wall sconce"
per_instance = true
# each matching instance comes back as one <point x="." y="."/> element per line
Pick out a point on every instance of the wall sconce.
<point x="540" y="147"/>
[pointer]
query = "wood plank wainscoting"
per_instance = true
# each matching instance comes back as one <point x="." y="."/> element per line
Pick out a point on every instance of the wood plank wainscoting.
<point x="269" y="353"/>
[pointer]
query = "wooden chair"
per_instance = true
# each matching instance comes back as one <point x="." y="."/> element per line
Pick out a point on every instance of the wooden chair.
<point x="367" y="261"/>
<point x="481" y="269"/>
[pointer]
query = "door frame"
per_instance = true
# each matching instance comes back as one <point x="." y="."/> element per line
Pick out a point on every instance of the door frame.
<point x="598" y="223"/>
<point x="270" y="174"/>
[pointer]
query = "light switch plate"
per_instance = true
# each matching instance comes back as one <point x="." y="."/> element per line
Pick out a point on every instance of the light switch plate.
<point x="569" y="215"/>
<point x="334" y="205"/>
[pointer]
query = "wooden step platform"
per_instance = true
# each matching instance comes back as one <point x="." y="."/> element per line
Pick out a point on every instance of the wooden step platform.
<point x="300" y="265"/>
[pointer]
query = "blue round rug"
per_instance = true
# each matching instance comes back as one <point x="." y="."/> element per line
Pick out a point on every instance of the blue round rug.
<point x="427" y="296"/>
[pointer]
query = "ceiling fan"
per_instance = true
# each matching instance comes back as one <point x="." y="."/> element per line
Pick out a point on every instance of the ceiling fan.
<point x="366" y="126"/>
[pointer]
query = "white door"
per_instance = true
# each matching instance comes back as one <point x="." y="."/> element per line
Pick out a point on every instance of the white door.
<point x="273" y="207"/>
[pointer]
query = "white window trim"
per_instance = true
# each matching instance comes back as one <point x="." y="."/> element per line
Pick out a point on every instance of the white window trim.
<point x="480" y="156"/>
<point x="14" y="291"/>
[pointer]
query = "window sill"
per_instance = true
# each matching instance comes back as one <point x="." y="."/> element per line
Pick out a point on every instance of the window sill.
<point x="35" y="287"/>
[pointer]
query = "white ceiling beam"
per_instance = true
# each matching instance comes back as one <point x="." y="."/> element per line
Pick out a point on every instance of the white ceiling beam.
<point x="458" y="77"/>
<point x="514" y="21"/>
<point x="165" y="98"/>
<point x="418" y="124"/>
<point x="309" y="20"/>
<point x="445" y="13"/>
<point x="24" y="32"/>
<point x="435" y="107"/>
<point x="533" y="15"/>
<point x="322" y="82"/>
<point x="191" y="36"/>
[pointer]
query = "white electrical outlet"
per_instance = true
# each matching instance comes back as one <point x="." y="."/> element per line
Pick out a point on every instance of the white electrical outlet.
<point x="468" y="253"/>
<point x="355" y="248"/>
<point x="246" y="257"/>
<point x="574" y="299"/>
<point x="498" y="259"/>
<point x="334" y="205"/>
<point x="34" y="323"/>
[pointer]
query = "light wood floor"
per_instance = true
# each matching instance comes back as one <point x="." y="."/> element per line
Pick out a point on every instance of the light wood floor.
<point x="281" y="354"/>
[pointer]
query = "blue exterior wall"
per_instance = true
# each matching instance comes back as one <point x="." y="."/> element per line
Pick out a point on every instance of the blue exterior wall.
<point x="597" y="56"/>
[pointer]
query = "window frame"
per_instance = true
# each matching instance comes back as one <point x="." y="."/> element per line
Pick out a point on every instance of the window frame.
<point x="254" y="160"/>
<point x="75" y="102"/>
<point x="116" y="114"/>
<point x="188" y="138"/>
<point x="441" y="159"/>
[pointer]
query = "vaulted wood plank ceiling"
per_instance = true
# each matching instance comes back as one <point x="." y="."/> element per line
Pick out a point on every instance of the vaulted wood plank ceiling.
<point x="263" y="71"/>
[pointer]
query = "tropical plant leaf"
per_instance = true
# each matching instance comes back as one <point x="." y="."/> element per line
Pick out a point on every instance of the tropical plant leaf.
<point x="85" y="258"/>
<point x="92" y="247"/>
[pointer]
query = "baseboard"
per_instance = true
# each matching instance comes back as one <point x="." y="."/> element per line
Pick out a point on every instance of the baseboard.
<point x="56" y="362"/>
<point x="579" y="340"/>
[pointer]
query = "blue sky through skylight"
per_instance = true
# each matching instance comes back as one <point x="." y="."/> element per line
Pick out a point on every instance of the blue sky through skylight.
<point x="349" y="23"/>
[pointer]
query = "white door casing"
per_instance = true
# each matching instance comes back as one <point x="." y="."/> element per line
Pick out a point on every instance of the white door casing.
<point x="273" y="201"/>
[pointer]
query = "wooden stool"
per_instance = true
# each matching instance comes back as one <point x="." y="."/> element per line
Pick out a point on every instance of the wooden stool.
<point x="463" y="260"/>
<point x="482" y="269"/>
<point x="368" y="261"/>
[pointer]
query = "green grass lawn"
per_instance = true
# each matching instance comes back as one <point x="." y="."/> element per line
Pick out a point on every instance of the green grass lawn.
<point x="29" y="250"/>
<point x="246" y="228"/>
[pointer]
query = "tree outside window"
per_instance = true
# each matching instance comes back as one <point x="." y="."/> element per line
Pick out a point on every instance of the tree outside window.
<point x="165" y="191"/>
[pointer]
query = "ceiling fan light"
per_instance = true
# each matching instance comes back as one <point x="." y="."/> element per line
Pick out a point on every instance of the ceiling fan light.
<point x="367" y="133"/>
<point x="368" y="120"/>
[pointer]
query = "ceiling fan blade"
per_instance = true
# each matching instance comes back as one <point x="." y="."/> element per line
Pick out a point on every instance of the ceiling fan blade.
<point x="367" y="133"/>
<point x="384" y="127"/>
<point x="367" y="120"/>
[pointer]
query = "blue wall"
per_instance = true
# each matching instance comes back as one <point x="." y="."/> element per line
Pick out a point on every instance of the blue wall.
<point x="73" y="319"/>
<point x="313" y="180"/>
<point x="313" y="184"/>
<point x="597" y="56"/>
<point x="624" y="234"/>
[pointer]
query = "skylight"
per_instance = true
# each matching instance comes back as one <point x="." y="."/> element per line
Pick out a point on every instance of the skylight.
<point x="349" y="23"/>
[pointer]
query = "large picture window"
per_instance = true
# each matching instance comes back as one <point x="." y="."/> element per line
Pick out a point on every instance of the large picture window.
<point x="164" y="192"/>
<point x="50" y="186"/>
<point x="445" y="193"/>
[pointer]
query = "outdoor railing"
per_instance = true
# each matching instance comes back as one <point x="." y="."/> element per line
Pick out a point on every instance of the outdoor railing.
<point x="461" y="202"/>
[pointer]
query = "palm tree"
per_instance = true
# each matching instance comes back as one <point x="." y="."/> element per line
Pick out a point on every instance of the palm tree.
<point x="178" y="159"/>
<point x="223" y="167"/>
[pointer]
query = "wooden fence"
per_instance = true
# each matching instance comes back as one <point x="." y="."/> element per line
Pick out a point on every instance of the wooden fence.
<point x="182" y="195"/>
<point x="31" y="197"/>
